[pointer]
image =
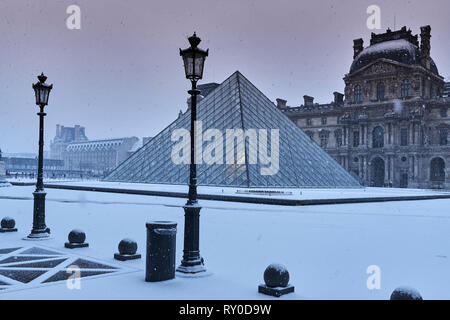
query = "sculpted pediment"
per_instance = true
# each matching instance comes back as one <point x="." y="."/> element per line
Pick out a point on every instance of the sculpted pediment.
<point x="380" y="67"/>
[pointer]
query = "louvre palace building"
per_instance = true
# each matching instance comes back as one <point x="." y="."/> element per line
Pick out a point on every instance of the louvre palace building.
<point x="391" y="125"/>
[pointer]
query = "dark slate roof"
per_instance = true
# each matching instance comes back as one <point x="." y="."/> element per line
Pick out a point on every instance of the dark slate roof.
<point x="207" y="88"/>
<point x="400" y="50"/>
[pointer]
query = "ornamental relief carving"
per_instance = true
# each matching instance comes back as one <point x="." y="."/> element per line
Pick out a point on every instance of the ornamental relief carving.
<point x="380" y="68"/>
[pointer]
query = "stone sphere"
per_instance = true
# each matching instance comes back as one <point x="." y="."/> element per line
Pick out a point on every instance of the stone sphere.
<point x="127" y="246"/>
<point x="77" y="236"/>
<point x="8" y="223"/>
<point x="276" y="275"/>
<point x="405" y="293"/>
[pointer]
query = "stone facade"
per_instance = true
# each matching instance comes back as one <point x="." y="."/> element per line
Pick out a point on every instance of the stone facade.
<point x="391" y="126"/>
<point x="98" y="157"/>
<point x="95" y="157"/>
<point x="64" y="136"/>
<point x="2" y="170"/>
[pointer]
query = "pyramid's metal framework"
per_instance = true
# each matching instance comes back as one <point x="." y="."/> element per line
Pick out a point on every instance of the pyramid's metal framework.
<point x="237" y="104"/>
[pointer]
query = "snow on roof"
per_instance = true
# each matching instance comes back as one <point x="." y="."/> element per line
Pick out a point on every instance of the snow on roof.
<point x="389" y="46"/>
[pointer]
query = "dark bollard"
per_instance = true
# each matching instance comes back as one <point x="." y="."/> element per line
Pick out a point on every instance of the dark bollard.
<point x="76" y="240"/>
<point x="127" y="250"/>
<point x="161" y="248"/>
<point x="276" y="278"/>
<point x="8" y="225"/>
<point x="405" y="293"/>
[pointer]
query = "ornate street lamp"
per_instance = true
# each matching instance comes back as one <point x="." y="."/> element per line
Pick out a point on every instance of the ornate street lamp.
<point x="192" y="262"/>
<point x="40" y="230"/>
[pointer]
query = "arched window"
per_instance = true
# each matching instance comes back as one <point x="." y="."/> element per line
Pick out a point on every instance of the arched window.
<point x="381" y="89"/>
<point x="437" y="170"/>
<point x="378" y="137"/>
<point x="406" y="85"/>
<point x="357" y="94"/>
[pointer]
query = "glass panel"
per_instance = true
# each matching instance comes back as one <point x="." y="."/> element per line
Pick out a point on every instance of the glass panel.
<point x="189" y="66"/>
<point x="37" y="93"/>
<point x="199" y="62"/>
<point x="44" y="95"/>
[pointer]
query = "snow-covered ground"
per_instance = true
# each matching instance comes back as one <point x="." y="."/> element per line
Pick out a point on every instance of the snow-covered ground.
<point x="327" y="249"/>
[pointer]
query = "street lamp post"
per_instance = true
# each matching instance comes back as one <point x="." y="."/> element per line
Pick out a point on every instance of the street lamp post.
<point x="192" y="262"/>
<point x="40" y="230"/>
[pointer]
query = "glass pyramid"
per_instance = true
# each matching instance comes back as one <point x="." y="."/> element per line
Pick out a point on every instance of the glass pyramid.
<point x="237" y="104"/>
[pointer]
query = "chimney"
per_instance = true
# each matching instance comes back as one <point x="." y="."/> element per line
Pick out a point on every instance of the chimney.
<point x="338" y="98"/>
<point x="358" y="46"/>
<point x="82" y="133"/>
<point x="58" y="130"/>
<point x="425" y="46"/>
<point x="309" y="101"/>
<point x="281" y="104"/>
<point x="77" y="133"/>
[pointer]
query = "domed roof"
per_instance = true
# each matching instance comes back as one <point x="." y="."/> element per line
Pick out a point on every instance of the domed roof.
<point x="400" y="50"/>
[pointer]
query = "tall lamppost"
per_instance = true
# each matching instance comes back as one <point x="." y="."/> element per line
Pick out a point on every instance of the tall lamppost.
<point x="40" y="230"/>
<point x="192" y="262"/>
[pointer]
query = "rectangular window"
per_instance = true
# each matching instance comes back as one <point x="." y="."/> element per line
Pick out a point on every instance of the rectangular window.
<point x="443" y="137"/>
<point x="309" y="122"/>
<point x="338" y="139"/>
<point x="323" y="141"/>
<point x="324" y="121"/>
<point x="406" y="85"/>
<point x="403" y="137"/>
<point x="444" y="112"/>
<point x="355" y="139"/>
<point x="357" y="94"/>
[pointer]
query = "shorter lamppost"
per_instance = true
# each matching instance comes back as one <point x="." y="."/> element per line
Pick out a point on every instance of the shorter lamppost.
<point x="192" y="262"/>
<point x="40" y="230"/>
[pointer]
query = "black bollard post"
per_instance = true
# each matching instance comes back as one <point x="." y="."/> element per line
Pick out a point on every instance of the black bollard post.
<point x="276" y="278"/>
<point x="161" y="248"/>
<point x="406" y="293"/>
<point x="127" y="250"/>
<point x="76" y="239"/>
<point x="8" y="225"/>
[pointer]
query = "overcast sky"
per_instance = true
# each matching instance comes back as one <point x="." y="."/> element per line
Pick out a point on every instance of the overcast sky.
<point x="121" y="74"/>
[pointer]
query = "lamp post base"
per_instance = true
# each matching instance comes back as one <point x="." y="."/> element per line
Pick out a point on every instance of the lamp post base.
<point x="192" y="262"/>
<point x="39" y="235"/>
<point x="39" y="230"/>
<point x="191" y="269"/>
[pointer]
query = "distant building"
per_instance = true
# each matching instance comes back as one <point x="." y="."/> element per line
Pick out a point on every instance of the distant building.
<point x="64" y="136"/>
<point x="207" y="88"/>
<point x="98" y="157"/>
<point x="393" y="126"/>
<point x="19" y="165"/>
<point x="2" y="170"/>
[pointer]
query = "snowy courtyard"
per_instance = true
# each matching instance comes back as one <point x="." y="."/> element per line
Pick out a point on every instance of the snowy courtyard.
<point x="327" y="248"/>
